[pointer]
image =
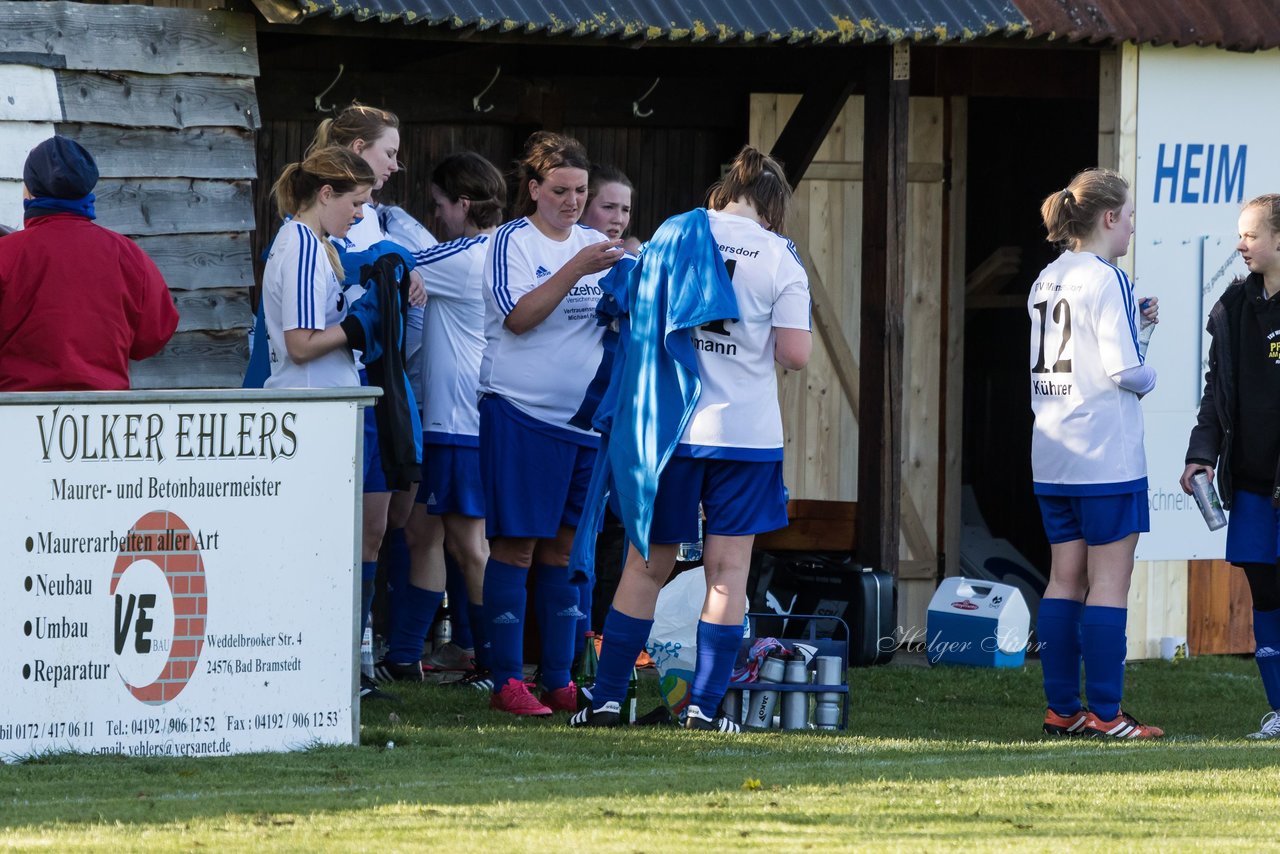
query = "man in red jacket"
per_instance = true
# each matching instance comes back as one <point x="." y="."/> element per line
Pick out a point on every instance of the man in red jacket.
<point x="77" y="301"/>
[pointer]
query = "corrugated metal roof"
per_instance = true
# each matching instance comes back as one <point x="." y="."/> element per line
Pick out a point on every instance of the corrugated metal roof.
<point x="1233" y="24"/>
<point x="752" y="21"/>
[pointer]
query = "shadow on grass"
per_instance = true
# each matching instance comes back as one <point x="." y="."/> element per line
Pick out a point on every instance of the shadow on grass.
<point x="907" y="726"/>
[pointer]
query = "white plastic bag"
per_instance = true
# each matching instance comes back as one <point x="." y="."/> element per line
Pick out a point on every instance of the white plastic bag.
<point x="673" y="641"/>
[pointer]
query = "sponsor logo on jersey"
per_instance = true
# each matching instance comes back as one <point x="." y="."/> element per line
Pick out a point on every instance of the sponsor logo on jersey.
<point x="506" y="618"/>
<point x="542" y="272"/>
<point x="964" y="605"/>
<point x="1266" y="652"/>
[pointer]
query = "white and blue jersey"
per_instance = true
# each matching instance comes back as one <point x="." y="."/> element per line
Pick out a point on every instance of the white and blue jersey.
<point x="301" y="291"/>
<point x="1088" y="430"/>
<point x="453" y="340"/>
<point x="546" y="372"/>
<point x="737" y="415"/>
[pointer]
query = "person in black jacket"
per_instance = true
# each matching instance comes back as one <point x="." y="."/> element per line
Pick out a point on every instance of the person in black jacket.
<point x="1237" y="432"/>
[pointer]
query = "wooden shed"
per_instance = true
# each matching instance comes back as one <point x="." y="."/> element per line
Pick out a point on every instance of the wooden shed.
<point x="921" y="144"/>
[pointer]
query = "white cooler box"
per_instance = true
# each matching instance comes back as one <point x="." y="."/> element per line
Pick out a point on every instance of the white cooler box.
<point x="977" y="622"/>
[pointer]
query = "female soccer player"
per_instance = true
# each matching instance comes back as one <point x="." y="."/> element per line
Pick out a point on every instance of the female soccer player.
<point x="1087" y="458"/>
<point x="608" y="208"/>
<point x="469" y="195"/>
<point x="306" y="313"/>
<point x="539" y="372"/>
<point x="1240" y="392"/>
<point x="729" y="457"/>
<point x="373" y="134"/>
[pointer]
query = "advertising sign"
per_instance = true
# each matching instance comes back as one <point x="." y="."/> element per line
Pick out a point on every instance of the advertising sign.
<point x="1200" y="157"/>
<point x="179" y="571"/>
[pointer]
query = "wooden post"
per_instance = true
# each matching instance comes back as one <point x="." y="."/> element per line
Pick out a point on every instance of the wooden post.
<point x="819" y="107"/>
<point x="884" y="211"/>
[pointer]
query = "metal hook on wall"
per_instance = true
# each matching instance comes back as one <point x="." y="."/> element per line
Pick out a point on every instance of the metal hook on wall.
<point x="475" y="102"/>
<point x="329" y="109"/>
<point x="635" y="105"/>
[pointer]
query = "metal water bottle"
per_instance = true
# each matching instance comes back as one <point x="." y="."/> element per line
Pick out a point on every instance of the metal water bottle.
<point x="795" y="704"/>
<point x="826" y="710"/>
<point x="760" y="713"/>
<point x="1207" y="499"/>
<point x="731" y="705"/>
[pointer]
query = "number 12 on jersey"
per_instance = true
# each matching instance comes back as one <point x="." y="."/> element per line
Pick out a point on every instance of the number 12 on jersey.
<point x="1060" y="319"/>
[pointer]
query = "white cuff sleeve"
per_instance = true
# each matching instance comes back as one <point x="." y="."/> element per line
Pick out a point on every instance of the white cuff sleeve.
<point x="1139" y="380"/>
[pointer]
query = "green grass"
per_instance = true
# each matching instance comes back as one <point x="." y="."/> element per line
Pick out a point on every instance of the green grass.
<point x="933" y="759"/>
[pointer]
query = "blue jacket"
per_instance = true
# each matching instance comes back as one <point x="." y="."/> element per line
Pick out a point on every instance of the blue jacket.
<point x="679" y="283"/>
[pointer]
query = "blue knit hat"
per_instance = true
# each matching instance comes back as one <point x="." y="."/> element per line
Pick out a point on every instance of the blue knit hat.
<point x="60" y="168"/>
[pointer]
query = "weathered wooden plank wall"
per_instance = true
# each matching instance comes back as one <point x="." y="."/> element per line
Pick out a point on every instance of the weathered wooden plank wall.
<point x="820" y="423"/>
<point x="164" y="98"/>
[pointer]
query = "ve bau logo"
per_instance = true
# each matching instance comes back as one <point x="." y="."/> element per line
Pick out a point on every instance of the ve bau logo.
<point x="160" y="601"/>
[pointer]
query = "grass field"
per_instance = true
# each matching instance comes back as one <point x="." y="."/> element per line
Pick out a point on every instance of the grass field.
<point x="933" y="759"/>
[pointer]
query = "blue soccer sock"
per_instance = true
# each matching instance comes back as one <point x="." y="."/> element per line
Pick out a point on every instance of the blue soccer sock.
<point x="717" y="651"/>
<point x="395" y="557"/>
<point x="1266" y="635"/>
<point x="1058" y="627"/>
<point x="368" y="573"/>
<point x="1104" y="647"/>
<point x="585" y="596"/>
<point x="556" y="603"/>
<point x="504" y="604"/>
<point x="478" y="634"/>
<point x="624" y="639"/>
<point x="413" y="616"/>
<point x="459" y="614"/>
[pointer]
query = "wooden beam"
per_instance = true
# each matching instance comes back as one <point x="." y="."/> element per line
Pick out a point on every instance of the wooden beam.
<point x="195" y="360"/>
<point x="917" y="173"/>
<point x="152" y="100"/>
<point x="952" y="435"/>
<point x="819" y="107"/>
<point x="195" y="261"/>
<point x="127" y="152"/>
<point x="174" y="206"/>
<point x="127" y="38"/>
<point x="213" y="309"/>
<point x="884" y="208"/>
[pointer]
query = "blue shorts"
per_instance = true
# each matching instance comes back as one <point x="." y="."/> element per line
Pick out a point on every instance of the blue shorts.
<point x="375" y="479"/>
<point x="451" y="481"/>
<point x="1096" y="519"/>
<point x="534" y="483"/>
<point x="738" y="498"/>
<point x="1253" y="529"/>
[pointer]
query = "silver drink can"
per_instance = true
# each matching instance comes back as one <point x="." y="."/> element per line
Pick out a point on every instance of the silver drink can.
<point x="1207" y="499"/>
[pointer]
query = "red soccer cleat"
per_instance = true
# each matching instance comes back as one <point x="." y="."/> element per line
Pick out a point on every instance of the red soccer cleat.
<point x="1056" y="724"/>
<point x="1123" y="726"/>
<point x="515" y="699"/>
<point x="561" y="699"/>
